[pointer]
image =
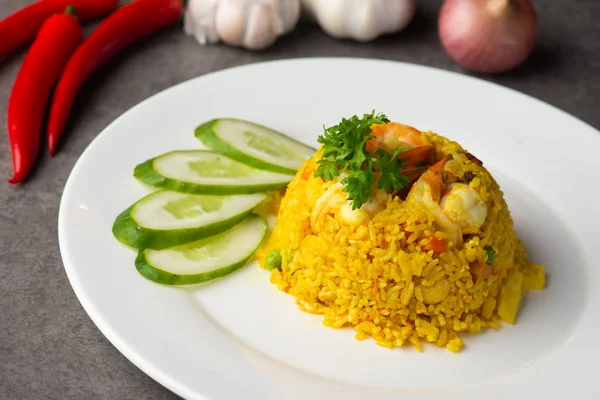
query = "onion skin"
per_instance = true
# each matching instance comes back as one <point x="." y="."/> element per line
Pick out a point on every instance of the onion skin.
<point x="488" y="36"/>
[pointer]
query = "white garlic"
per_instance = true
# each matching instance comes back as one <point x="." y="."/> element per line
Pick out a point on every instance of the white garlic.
<point x="361" y="20"/>
<point x="253" y="24"/>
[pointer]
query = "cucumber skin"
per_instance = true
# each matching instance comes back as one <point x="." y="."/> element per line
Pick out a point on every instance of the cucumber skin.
<point x="166" y="278"/>
<point x="128" y="232"/>
<point x="146" y="174"/>
<point x="206" y="135"/>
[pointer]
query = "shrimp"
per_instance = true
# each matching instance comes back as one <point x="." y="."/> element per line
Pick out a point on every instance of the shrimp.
<point x="456" y="207"/>
<point x="463" y="205"/>
<point x="417" y="150"/>
<point x="334" y="202"/>
<point x="393" y="135"/>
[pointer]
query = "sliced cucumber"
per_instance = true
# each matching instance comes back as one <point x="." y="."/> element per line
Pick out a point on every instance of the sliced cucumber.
<point x="207" y="172"/>
<point x="255" y="145"/>
<point x="165" y="219"/>
<point x="205" y="259"/>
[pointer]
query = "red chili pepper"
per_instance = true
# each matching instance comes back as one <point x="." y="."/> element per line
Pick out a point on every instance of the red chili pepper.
<point x="126" y="25"/>
<point x="21" y="27"/>
<point x="56" y="41"/>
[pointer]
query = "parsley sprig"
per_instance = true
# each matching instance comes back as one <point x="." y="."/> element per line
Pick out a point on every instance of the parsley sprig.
<point x="344" y="151"/>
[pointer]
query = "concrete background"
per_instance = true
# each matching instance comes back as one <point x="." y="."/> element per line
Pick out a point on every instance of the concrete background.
<point x="49" y="348"/>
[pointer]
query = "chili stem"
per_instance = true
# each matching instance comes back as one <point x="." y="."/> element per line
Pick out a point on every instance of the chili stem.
<point x="71" y="10"/>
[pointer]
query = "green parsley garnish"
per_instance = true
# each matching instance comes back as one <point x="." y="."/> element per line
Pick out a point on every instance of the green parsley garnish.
<point x="491" y="254"/>
<point x="344" y="151"/>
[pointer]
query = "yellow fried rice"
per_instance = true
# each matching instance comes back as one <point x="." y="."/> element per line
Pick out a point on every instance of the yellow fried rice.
<point x="381" y="278"/>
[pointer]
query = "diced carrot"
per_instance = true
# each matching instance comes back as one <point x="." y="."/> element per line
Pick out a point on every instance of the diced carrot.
<point x="438" y="245"/>
<point x="480" y="270"/>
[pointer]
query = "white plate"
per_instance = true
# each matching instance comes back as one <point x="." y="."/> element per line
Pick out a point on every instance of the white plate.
<point x="241" y="338"/>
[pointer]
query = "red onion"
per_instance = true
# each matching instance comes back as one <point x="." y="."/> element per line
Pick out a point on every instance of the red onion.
<point x="488" y="35"/>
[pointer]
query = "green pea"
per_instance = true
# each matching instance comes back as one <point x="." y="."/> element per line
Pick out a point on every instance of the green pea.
<point x="273" y="260"/>
<point x="491" y="254"/>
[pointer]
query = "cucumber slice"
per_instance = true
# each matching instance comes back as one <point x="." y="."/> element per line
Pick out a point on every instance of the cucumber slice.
<point x="165" y="219"/>
<point x="255" y="145"/>
<point x="207" y="172"/>
<point x="206" y="259"/>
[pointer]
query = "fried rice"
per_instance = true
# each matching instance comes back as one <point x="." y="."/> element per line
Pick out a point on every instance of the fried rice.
<point x="381" y="275"/>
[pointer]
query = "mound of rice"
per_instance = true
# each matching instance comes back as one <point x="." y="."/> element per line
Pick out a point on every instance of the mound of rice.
<point x="379" y="276"/>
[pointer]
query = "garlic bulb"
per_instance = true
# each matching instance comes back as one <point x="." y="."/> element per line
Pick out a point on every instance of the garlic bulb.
<point x="361" y="20"/>
<point x="253" y="24"/>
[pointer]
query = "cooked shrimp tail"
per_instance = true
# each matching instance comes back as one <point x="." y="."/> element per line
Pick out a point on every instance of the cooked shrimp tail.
<point x="416" y="161"/>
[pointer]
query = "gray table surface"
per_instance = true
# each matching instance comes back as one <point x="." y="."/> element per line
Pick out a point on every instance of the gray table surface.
<point x="49" y="347"/>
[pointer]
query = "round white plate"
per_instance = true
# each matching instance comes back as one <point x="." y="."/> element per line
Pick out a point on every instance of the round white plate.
<point x="239" y="337"/>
